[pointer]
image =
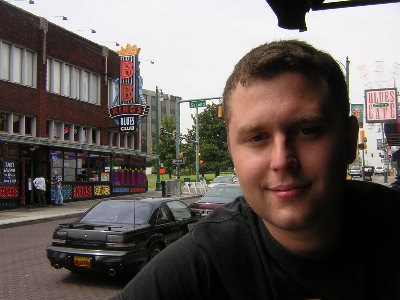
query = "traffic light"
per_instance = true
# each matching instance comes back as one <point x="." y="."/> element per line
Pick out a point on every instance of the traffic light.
<point x="219" y="111"/>
<point x="174" y="134"/>
<point x="389" y="156"/>
<point x="161" y="130"/>
<point x="181" y="155"/>
<point x="199" y="152"/>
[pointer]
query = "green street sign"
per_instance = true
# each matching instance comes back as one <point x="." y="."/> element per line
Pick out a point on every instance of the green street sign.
<point x="197" y="103"/>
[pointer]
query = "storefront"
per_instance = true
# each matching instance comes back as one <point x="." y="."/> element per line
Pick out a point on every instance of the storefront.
<point x="85" y="174"/>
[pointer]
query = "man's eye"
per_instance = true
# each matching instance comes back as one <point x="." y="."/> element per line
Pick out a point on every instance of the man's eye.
<point x="257" y="138"/>
<point x="309" y="130"/>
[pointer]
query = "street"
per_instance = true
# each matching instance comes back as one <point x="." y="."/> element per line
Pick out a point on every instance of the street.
<point x="27" y="274"/>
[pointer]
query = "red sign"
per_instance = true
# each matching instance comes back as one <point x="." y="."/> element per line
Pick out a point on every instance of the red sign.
<point x="381" y="105"/>
<point x="162" y="170"/>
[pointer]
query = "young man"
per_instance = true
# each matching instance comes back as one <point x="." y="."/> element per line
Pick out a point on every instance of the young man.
<point x="40" y="187"/>
<point x="301" y="231"/>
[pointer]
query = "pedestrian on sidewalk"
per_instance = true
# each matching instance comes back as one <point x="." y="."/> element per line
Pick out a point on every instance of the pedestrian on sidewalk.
<point x="59" y="200"/>
<point x="40" y="187"/>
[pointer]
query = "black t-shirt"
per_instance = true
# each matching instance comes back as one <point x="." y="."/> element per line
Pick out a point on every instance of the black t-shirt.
<point x="231" y="255"/>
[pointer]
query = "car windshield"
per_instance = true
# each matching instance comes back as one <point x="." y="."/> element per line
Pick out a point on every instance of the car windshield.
<point x="124" y="212"/>
<point x="223" y="179"/>
<point x="224" y="191"/>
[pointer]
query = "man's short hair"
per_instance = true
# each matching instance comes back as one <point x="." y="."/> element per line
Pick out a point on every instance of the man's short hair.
<point x="272" y="59"/>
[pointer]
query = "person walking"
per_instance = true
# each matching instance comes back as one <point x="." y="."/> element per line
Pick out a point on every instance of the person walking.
<point x="59" y="200"/>
<point x="40" y="187"/>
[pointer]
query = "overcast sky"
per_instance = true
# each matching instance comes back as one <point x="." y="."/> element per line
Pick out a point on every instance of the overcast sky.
<point x="196" y="43"/>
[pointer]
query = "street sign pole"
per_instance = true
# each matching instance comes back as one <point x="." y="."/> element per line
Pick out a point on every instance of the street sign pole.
<point x="193" y="103"/>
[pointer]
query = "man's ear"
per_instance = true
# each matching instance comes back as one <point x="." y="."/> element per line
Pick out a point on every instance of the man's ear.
<point x="351" y="139"/>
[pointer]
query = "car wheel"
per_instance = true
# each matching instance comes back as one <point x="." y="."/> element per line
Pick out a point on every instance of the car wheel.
<point x="154" y="251"/>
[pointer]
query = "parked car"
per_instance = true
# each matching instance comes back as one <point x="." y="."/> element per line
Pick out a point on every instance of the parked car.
<point x="223" y="179"/>
<point x="216" y="196"/>
<point x="355" y="171"/>
<point x="119" y="236"/>
<point x="380" y="170"/>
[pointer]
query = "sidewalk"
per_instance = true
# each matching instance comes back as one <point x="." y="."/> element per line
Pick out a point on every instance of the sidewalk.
<point x="24" y="215"/>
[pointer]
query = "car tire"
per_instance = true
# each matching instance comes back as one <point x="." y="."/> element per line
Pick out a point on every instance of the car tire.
<point x="154" y="250"/>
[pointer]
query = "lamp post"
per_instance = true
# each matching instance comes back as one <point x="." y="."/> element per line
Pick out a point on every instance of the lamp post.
<point x="158" y="183"/>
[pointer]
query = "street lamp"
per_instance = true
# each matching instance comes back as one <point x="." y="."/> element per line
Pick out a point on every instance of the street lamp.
<point x="347" y="70"/>
<point x="30" y="1"/>
<point x="91" y="30"/>
<point x="64" y="18"/>
<point x="116" y="44"/>
<point x="159" y="93"/>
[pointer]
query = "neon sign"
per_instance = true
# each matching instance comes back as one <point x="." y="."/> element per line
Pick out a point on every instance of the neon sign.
<point x="128" y="107"/>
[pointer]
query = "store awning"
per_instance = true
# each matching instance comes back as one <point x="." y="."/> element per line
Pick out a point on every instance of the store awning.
<point x="392" y="133"/>
<point x="291" y="13"/>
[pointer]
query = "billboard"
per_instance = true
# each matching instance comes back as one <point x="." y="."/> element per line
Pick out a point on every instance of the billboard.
<point x="381" y="105"/>
<point x="357" y="110"/>
<point x="129" y="106"/>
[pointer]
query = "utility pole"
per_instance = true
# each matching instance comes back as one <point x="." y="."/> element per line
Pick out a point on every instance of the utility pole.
<point x="158" y="183"/>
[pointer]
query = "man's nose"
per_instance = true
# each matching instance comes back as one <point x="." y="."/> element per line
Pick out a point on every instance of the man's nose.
<point x="283" y="155"/>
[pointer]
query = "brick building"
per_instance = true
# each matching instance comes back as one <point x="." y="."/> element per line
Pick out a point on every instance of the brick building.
<point x="55" y="89"/>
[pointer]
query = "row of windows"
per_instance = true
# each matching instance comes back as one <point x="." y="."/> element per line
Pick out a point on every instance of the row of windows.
<point x="76" y="166"/>
<point x="17" y="124"/>
<point x="17" y="64"/>
<point x="70" y="81"/>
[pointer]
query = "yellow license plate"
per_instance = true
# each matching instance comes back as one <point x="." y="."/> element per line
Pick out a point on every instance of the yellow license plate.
<point x="82" y="261"/>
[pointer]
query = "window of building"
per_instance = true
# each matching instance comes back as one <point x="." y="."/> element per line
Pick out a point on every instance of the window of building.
<point x="85" y="87"/>
<point x="5" y="60"/>
<point x="77" y="82"/>
<point x="94" y="88"/>
<point x="69" y="166"/>
<point x="95" y="138"/>
<point x="94" y="167"/>
<point x="105" y="168"/>
<point x="4" y="121"/>
<point x="48" y="74"/>
<point x="67" y="80"/>
<point x="67" y="131"/>
<point x="76" y="133"/>
<point x="30" y="74"/>
<point x="17" y="64"/>
<point x="28" y="125"/>
<point x="56" y="163"/>
<point x="112" y="91"/>
<point x="16" y="124"/>
<point x="56" y="77"/>
<point x="82" y="161"/>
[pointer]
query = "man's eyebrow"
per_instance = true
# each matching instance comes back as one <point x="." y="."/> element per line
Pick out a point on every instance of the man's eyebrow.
<point x="307" y="118"/>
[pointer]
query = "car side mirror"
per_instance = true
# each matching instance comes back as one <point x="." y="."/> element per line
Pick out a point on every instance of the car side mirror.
<point x="195" y="214"/>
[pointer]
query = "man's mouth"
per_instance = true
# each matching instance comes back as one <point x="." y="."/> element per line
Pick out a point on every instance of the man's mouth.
<point x="287" y="191"/>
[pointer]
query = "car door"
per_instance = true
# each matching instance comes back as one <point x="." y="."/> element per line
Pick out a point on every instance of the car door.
<point x="165" y="225"/>
<point x="181" y="214"/>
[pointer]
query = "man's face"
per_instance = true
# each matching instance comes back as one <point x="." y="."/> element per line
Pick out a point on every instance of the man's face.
<point x="289" y="150"/>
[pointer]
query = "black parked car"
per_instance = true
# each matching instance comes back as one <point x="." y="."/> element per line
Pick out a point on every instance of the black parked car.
<point x="119" y="236"/>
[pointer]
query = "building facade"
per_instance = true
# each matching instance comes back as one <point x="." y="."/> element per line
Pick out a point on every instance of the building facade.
<point x="55" y="90"/>
<point x="167" y="105"/>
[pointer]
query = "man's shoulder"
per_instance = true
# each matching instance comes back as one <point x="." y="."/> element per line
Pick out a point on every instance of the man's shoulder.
<point x="371" y="190"/>
<point x="222" y="222"/>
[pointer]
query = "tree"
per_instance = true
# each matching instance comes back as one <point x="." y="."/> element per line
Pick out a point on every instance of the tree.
<point x="212" y="142"/>
<point x="167" y="144"/>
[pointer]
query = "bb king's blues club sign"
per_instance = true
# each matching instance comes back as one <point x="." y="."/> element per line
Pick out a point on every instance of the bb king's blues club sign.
<point x="129" y="105"/>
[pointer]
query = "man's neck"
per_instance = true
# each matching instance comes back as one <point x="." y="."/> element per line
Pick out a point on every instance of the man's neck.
<point x="315" y="242"/>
